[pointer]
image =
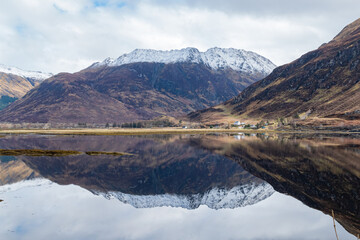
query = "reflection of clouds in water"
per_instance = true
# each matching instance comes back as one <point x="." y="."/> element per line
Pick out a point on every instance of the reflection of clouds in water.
<point x="51" y="211"/>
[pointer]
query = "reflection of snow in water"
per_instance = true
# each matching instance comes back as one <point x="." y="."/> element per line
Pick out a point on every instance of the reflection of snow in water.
<point x="216" y="198"/>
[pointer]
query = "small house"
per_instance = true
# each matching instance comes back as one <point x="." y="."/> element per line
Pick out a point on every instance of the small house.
<point x="237" y="123"/>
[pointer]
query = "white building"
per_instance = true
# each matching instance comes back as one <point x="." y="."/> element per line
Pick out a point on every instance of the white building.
<point x="238" y="123"/>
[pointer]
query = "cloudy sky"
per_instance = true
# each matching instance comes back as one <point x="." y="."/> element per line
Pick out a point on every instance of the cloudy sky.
<point x="67" y="35"/>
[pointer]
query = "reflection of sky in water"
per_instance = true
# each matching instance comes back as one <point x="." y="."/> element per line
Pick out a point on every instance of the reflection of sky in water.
<point x="52" y="211"/>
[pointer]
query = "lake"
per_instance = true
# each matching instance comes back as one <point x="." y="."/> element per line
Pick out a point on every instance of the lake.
<point x="211" y="186"/>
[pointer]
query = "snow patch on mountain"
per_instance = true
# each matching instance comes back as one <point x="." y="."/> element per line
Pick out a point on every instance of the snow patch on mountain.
<point x="216" y="198"/>
<point x="34" y="75"/>
<point x="215" y="58"/>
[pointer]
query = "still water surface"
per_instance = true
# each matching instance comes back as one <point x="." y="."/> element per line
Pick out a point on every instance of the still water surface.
<point x="181" y="187"/>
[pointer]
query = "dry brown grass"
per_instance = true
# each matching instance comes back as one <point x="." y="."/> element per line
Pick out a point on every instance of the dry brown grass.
<point x="122" y="131"/>
<point x="152" y="131"/>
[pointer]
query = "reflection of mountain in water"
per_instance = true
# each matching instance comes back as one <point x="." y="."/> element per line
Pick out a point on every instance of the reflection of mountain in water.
<point x="216" y="198"/>
<point x="12" y="171"/>
<point x="322" y="173"/>
<point x="160" y="172"/>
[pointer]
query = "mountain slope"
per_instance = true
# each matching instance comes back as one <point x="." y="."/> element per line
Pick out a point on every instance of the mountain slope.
<point x="15" y="83"/>
<point x="129" y="92"/>
<point x="324" y="83"/>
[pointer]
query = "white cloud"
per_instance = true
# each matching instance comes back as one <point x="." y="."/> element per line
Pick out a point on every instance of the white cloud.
<point x="66" y="35"/>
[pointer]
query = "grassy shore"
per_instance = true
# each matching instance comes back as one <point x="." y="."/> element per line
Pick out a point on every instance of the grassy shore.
<point x="125" y="131"/>
<point x="146" y="131"/>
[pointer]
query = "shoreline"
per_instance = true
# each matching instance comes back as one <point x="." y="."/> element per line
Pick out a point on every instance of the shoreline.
<point x="155" y="131"/>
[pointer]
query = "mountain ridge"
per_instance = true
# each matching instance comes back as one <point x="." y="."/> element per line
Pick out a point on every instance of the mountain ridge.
<point x="129" y="92"/>
<point x="216" y="198"/>
<point x="215" y="58"/>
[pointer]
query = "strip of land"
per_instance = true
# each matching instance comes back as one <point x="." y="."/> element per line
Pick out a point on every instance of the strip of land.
<point x="36" y="152"/>
<point x="147" y="131"/>
<point x="123" y="131"/>
<point x="55" y="153"/>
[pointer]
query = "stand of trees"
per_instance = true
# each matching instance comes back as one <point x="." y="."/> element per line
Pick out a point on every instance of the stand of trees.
<point x="147" y="124"/>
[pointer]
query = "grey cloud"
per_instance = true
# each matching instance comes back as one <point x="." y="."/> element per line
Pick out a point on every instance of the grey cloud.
<point x="67" y="35"/>
<point x="274" y="7"/>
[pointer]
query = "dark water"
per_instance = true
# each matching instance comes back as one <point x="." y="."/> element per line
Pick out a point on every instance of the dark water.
<point x="182" y="187"/>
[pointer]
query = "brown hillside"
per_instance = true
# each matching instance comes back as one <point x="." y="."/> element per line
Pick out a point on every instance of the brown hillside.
<point x="126" y="93"/>
<point x="13" y="85"/>
<point x="324" y="83"/>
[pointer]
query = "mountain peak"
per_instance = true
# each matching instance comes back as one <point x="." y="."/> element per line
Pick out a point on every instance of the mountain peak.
<point x="215" y="58"/>
<point x="216" y="198"/>
<point x="34" y="75"/>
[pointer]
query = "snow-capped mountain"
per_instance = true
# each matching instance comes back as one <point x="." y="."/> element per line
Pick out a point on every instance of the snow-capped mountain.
<point x="34" y="75"/>
<point x="216" y="198"/>
<point x="141" y="90"/>
<point x="237" y="59"/>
